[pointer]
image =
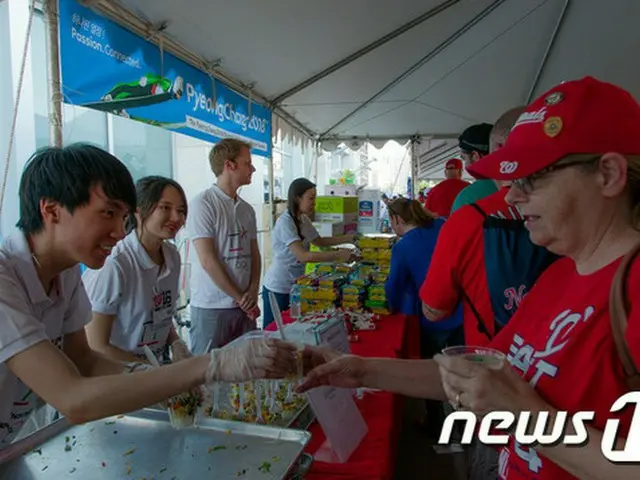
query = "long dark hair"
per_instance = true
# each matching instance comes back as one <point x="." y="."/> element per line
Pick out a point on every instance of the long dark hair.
<point x="296" y="190"/>
<point x="411" y="211"/>
<point x="148" y="193"/>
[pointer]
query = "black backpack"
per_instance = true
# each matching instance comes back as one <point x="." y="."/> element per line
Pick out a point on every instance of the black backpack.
<point x="513" y="264"/>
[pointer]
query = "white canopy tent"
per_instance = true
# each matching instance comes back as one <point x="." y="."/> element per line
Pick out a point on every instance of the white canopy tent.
<point x="374" y="69"/>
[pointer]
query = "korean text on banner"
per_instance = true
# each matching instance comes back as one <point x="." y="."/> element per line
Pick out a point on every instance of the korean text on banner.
<point x="106" y="67"/>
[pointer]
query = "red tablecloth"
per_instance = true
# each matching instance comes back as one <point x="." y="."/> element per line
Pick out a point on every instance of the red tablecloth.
<point x="396" y="336"/>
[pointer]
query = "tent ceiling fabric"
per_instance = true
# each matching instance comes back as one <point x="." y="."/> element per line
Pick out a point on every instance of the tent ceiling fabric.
<point x="488" y="69"/>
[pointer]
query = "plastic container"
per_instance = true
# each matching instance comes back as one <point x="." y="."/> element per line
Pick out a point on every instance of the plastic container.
<point x="294" y="302"/>
<point x="488" y="357"/>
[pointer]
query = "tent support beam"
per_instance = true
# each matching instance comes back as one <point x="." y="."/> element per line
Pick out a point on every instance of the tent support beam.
<point x="363" y="51"/>
<point x="398" y="138"/>
<point x="53" y="72"/>
<point x="142" y="28"/>
<point x="545" y="57"/>
<point x="415" y="67"/>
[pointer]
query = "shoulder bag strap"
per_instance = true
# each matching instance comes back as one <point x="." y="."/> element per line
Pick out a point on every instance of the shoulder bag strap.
<point x="619" y="311"/>
<point x="482" y="212"/>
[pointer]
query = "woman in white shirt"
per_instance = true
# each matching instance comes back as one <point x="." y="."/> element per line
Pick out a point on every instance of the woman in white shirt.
<point x="133" y="296"/>
<point x="290" y="239"/>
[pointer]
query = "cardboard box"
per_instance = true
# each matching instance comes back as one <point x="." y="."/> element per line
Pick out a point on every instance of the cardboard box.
<point x="341" y="190"/>
<point x="351" y="228"/>
<point x="331" y="332"/>
<point x="328" y="228"/>
<point x="336" y="205"/>
<point x="345" y="218"/>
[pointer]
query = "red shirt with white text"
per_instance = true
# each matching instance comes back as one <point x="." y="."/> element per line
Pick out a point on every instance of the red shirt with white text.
<point x="560" y="341"/>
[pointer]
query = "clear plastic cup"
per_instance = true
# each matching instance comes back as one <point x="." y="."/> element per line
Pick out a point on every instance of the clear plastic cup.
<point x="488" y="357"/>
<point x="181" y="420"/>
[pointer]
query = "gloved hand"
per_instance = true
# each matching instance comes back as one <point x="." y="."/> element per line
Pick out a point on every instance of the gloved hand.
<point x="179" y="351"/>
<point x="257" y="358"/>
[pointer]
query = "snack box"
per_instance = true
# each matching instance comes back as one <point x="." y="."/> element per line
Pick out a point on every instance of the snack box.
<point x="378" y="241"/>
<point x="331" y="330"/>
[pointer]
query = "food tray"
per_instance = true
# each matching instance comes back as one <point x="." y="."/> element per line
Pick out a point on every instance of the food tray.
<point x="286" y="415"/>
<point x="143" y="444"/>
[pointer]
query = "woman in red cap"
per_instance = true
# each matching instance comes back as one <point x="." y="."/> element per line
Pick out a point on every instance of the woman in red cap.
<point x="572" y="348"/>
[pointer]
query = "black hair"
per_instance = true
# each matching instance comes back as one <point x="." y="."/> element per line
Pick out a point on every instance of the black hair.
<point x="296" y="190"/>
<point x="66" y="175"/>
<point x="476" y="138"/>
<point x="148" y="193"/>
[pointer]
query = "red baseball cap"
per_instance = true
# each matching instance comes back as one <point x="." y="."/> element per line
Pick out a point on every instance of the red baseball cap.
<point x="453" y="163"/>
<point x="584" y="116"/>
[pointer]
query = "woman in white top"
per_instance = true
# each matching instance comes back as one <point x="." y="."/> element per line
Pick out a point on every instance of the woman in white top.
<point x="133" y="296"/>
<point x="290" y="239"/>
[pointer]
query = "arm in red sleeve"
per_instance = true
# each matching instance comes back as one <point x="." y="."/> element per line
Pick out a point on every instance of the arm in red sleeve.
<point x="440" y="290"/>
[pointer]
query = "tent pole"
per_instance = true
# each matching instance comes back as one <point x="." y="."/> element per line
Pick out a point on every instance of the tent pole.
<point x="272" y="189"/>
<point x="415" y="141"/>
<point x="53" y="72"/>
<point x="545" y="57"/>
<point x="363" y="51"/>
<point x="416" y="66"/>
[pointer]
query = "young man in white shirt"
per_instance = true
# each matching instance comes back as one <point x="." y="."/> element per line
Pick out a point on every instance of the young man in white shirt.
<point x="225" y="276"/>
<point x="73" y="203"/>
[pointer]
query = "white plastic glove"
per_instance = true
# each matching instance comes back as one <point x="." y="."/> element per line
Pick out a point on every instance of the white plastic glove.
<point x="179" y="351"/>
<point x="254" y="359"/>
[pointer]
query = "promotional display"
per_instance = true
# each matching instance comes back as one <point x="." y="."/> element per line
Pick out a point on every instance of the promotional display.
<point x="105" y="67"/>
<point x="368" y="211"/>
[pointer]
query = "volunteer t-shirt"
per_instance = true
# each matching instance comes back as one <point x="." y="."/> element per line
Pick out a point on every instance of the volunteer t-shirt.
<point x="29" y="316"/>
<point x="560" y="341"/>
<point x="458" y="263"/>
<point x="441" y="197"/>
<point x="231" y="223"/>
<point x="285" y="268"/>
<point x="141" y="294"/>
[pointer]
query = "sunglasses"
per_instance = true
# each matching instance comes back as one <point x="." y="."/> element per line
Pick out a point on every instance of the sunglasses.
<point x="527" y="184"/>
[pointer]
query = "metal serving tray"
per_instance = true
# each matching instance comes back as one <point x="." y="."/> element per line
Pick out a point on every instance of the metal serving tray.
<point x="143" y="444"/>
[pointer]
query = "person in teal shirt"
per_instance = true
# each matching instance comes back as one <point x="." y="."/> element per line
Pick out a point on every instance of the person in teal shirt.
<point x="474" y="144"/>
<point x="474" y="192"/>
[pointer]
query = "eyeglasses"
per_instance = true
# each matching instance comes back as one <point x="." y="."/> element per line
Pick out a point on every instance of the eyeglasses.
<point x="527" y="184"/>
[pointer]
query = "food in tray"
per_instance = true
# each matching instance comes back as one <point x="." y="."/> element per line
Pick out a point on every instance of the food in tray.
<point x="183" y="409"/>
<point x="277" y="401"/>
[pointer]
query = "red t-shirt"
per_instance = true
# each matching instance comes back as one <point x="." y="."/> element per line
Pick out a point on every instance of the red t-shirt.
<point x="458" y="263"/>
<point x="441" y="197"/>
<point x="560" y="340"/>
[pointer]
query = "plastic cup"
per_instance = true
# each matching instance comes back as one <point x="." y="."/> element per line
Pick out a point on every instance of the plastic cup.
<point x="180" y="421"/>
<point x="488" y="357"/>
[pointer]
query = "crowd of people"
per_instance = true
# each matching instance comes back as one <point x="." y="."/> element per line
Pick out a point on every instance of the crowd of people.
<point x="521" y="260"/>
<point x="572" y="180"/>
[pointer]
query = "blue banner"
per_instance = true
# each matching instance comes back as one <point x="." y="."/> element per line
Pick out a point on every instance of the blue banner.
<point x="106" y="67"/>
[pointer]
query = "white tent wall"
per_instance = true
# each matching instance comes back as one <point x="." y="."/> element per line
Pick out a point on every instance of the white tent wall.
<point x="14" y="18"/>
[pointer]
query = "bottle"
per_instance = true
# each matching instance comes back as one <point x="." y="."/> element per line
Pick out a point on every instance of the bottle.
<point x="294" y="301"/>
